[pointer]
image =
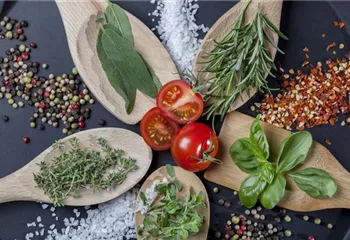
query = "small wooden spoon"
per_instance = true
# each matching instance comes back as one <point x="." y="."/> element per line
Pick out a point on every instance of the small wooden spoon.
<point x="188" y="179"/>
<point x="20" y="185"/>
<point x="237" y="125"/>
<point x="271" y="8"/>
<point x="79" y="18"/>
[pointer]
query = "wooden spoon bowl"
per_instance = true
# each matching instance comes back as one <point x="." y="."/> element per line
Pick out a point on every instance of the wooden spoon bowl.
<point x="20" y="185"/>
<point x="188" y="179"/>
<point x="79" y="18"/>
<point x="271" y="8"/>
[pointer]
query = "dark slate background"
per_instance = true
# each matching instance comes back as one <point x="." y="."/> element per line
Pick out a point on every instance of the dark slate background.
<point x="303" y="22"/>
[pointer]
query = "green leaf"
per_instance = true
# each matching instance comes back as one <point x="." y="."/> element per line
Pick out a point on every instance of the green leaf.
<point x="101" y="20"/>
<point x="117" y="17"/>
<point x="258" y="137"/>
<point x="273" y="27"/>
<point x="184" y="233"/>
<point x="143" y="198"/>
<point x="178" y="185"/>
<point x="118" y="82"/>
<point x="155" y="78"/>
<point x="170" y="170"/>
<point x="250" y="189"/>
<point x="317" y="183"/>
<point x="194" y="228"/>
<point x="273" y="192"/>
<point x="128" y="61"/>
<point x="293" y="151"/>
<point x="267" y="172"/>
<point x="244" y="155"/>
<point x="172" y="191"/>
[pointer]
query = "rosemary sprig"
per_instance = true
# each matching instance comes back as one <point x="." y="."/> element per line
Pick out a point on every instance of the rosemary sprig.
<point x="238" y="63"/>
<point x="79" y="168"/>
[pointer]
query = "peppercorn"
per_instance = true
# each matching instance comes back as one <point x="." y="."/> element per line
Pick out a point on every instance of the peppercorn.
<point x="9" y="26"/>
<point x="21" y="37"/>
<point x="4" y="118"/>
<point x="310" y="238"/>
<point x="75" y="71"/>
<point x="317" y="221"/>
<point x="24" y="23"/>
<point x="287" y="218"/>
<point x="9" y="34"/>
<point x="306" y="218"/>
<point x="288" y="233"/>
<point x="235" y="220"/>
<point x="26" y="140"/>
<point x="330" y="225"/>
<point x="6" y="19"/>
<point x="33" y="45"/>
<point x="32" y="125"/>
<point x="221" y="201"/>
<point x="215" y="190"/>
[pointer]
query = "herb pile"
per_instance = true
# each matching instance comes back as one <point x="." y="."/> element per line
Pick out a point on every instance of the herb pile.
<point x="172" y="217"/>
<point x="239" y="63"/>
<point x="124" y="66"/>
<point x="80" y="168"/>
<point x="266" y="181"/>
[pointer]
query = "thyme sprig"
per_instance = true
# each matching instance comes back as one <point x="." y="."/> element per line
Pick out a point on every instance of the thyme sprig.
<point x="79" y="168"/>
<point x="238" y="63"/>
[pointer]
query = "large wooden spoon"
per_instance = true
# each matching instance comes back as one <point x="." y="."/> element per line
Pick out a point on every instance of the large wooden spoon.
<point x="237" y="125"/>
<point x="79" y="18"/>
<point x="271" y="8"/>
<point x="188" y="179"/>
<point x="20" y="185"/>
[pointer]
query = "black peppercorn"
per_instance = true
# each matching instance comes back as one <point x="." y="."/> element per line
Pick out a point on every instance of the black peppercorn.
<point x="22" y="37"/>
<point x="30" y="103"/>
<point x="86" y="115"/>
<point x="218" y="234"/>
<point x="8" y="52"/>
<point x="5" y="118"/>
<point x="2" y="36"/>
<point x="33" y="70"/>
<point x="275" y="238"/>
<point x="261" y="226"/>
<point x="41" y="126"/>
<point x="102" y="122"/>
<point x="221" y="202"/>
<point x="24" y="23"/>
<point x="13" y="21"/>
<point x="227" y="204"/>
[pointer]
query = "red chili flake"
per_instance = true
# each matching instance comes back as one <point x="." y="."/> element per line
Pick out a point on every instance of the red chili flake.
<point x="341" y="24"/>
<point x="305" y="49"/>
<point x="335" y="23"/>
<point x="328" y="142"/>
<point x="307" y="56"/>
<point x="305" y="63"/>
<point x="333" y="44"/>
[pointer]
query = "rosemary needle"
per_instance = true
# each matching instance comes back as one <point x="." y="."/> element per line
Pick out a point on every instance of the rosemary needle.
<point x="238" y="63"/>
<point x="78" y="168"/>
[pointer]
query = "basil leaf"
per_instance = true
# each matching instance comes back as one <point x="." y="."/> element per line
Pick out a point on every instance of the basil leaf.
<point x="178" y="185"/>
<point x="121" y="85"/>
<point x="274" y="192"/>
<point x="117" y="18"/>
<point x="317" y="183"/>
<point x="170" y="170"/>
<point x="293" y="151"/>
<point x="243" y="155"/>
<point x="250" y="189"/>
<point x="129" y="62"/>
<point x="267" y="172"/>
<point x="258" y="137"/>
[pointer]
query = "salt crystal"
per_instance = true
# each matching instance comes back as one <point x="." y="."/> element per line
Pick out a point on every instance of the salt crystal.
<point x="52" y="209"/>
<point x="44" y="206"/>
<point x="42" y="232"/>
<point x="38" y="219"/>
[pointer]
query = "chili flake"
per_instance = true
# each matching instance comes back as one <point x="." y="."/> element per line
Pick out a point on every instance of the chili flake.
<point x="341" y="24"/>
<point x="328" y="142"/>
<point x="305" y="49"/>
<point x="333" y="44"/>
<point x="307" y="56"/>
<point x="323" y="35"/>
<point x="335" y="23"/>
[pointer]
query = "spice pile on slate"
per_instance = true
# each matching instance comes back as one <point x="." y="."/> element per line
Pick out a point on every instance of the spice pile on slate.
<point x="54" y="98"/>
<point x="11" y="28"/>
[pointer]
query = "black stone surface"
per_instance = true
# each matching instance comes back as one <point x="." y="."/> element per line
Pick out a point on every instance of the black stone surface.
<point x="303" y="22"/>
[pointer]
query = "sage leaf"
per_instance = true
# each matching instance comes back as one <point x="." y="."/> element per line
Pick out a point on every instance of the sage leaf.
<point x="267" y="172"/>
<point x="155" y="78"/>
<point x="293" y="151"/>
<point x="129" y="62"/>
<point x="244" y="156"/>
<point x="258" y="137"/>
<point x="116" y="79"/>
<point x="274" y="192"/>
<point x="316" y="182"/>
<point x="250" y="189"/>
<point x="170" y="170"/>
<point x="118" y="19"/>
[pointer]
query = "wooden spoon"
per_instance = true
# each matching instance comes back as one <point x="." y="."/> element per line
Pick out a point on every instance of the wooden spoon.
<point x="188" y="179"/>
<point x="79" y="18"/>
<point x="237" y="125"/>
<point x="20" y="185"/>
<point x="271" y="8"/>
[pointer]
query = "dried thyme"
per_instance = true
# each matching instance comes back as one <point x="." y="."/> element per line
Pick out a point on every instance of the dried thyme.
<point x="79" y="168"/>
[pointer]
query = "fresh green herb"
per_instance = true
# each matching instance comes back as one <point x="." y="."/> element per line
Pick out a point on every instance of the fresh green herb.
<point x="238" y="63"/>
<point x="172" y="217"/>
<point x="267" y="182"/>
<point x="125" y="68"/>
<point x="317" y="183"/>
<point x="79" y="168"/>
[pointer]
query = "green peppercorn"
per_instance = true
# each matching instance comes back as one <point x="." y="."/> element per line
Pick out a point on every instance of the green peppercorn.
<point x="306" y="218"/>
<point x="75" y="71"/>
<point x="75" y="98"/>
<point x="92" y="101"/>
<point x="82" y="101"/>
<point x="215" y="190"/>
<point x="235" y="237"/>
<point x="22" y="48"/>
<point x="288" y="233"/>
<point x="9" y="26"/>
<point x="287" y="218"/>
<point x="56" y="100"/>
<point x="29" y="85"/>
<point x="235" y="220"/>
<point x="87" y="98"/>
<point x="30" y="74"/>
<point x="27" y="79"/>
<point x="10" y="101"/>
<point x="9" y="34"/>
<point x="74" y="125"/>
<point x="32" y="124"/>
<point x="317" y="221"/>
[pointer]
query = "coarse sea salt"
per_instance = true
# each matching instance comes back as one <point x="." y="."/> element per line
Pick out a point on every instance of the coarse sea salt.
<point x="178" y="30"/>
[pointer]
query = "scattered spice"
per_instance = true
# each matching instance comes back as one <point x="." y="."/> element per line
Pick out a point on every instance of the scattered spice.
<point x="102" y="122"/>
<point x="334" y="52"/>
<point x="291" y="71"/>
<point x="306" y="218"/>
<point x="330" y="225"/>
<point x="317" y="221"/>
<point x="323" y="35"/>
<point x="328" y="142"/>
<point x="307" y="56"/>
<point x="310" y="238"/>
<point x="216" y="190"/>
<point x="306" y="49"/>
<point x="305" y="63"/>
<point x="287" y="218"/>
<point x="341" y="46"/>
<point x="4" y="118"/>
<point x="26" y="140"/>
<point x="331" y="45"/>
<point x="335" y="23"/>
<point x="341" y="24"/>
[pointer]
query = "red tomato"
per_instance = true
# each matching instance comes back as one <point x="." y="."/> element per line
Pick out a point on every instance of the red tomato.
<point x="194" y="147"/>
<point x="178" y="101"/>
<point x="157" y="130"/>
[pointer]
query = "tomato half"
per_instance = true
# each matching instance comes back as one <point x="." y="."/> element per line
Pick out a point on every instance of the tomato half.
<point x="158" y="130"/>
<point x="194" y="147"/>
<point x="178" y="101"/>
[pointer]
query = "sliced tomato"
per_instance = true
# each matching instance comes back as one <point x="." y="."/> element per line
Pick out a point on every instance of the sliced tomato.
<point x="158" y="130"/>
<point x="179" y="102"/>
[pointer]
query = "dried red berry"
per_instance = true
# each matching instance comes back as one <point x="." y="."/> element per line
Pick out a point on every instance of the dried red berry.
<point x="25" y="56"/>
<point x="32" y="45"/>
<point x="19" y="30"/>
<point x="82" y="125"/>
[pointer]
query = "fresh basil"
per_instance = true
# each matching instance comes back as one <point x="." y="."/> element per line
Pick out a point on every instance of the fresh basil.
<point x="274" y="192"/>
<point x="250" y="189"/>
<point x="267" y="172"/>
<point x="317" y="183"/>
<point x="258" y="137"/>
<point x="243" y="154"/>
<point x="293" y="151"/>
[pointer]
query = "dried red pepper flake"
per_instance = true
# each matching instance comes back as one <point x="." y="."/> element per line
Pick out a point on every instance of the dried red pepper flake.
<point x="305" y="49"/>
<point x="329" y="46"/>
<point x="335" y="23"/>
<point x="323" y="35"/>
<point x="328" y="142"/>
<point x="341" y="24"/>
<point x="305" y="63"/>
<point x="307" y="56"/>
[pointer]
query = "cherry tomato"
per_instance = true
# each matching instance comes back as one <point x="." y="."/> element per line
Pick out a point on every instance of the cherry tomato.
<point x="178" y="101"/>
<point x="158" y="130"/>
<point x="194" y="147"/>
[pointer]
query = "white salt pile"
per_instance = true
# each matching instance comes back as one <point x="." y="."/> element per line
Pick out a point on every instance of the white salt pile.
<point x="178" y="30"/>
